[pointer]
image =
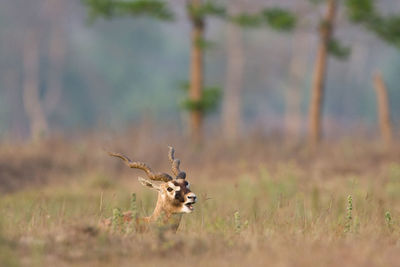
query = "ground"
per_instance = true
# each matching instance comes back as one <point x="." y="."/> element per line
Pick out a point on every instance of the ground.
<point x="273" y="204"/>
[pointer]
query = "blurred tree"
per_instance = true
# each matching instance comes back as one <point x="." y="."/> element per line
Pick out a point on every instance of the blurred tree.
<point x="196" y="67"/>
<point x="9" y="97"/>
<point x="56" y="54"/>
<point x="358" y="11"/>
<point x="231" y="105"/>
<point x="199" y="99"/>
<point x="298" y="70"/>
<point x="386" y="28"/>
<point x="297" y="73"/>
<point x="115" y="8"/>
<point x="383" y="108"/>
<point x="325" y="41"/>
<point x="31" y="87"/>
<point x="44" y="41"/>
<point x="12" y="115"/>
<point x="32" y="55"/>
<point x="273" y="17"/>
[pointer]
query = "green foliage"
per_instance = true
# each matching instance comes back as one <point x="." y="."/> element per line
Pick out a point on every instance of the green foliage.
<point x="360" y="10"/>
<point x="97" y="8"/>
<point x="114" y="8"/>
<point x="336" y="49"/>
<point x="385" y="27"/>
<point x="203" y="43"/>
<point x="388" y="220"/>
<point x="209" y="102"/>
<point x="316" y="2"/>
<point x="184" y="86"/>
<point x="247" y="20"/>
<point x="279" y="19"/>
<point x="208" y="8"/>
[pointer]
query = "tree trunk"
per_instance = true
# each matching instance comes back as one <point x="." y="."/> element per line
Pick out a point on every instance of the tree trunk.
<point x="383" y="108"/>
<point x="317" y="90"/>
<point x="31" y="92"/>
<point x="196" y="75"/>
<point x="231" y="106"/>
<point x="11" y="83"/>
<point x="57" y="49"/>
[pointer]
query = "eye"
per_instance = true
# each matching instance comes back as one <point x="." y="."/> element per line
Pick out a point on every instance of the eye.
<point x="169" y="189"/>
<point x="187" y="184"/>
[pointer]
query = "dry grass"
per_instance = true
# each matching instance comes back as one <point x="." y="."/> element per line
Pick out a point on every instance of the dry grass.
<point x="269" y="204"/>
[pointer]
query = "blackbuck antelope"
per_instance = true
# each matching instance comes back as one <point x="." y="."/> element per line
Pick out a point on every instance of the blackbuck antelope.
<point x="174" y="195"/>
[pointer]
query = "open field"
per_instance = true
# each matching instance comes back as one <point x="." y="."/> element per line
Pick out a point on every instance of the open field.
<point x="284" y="114"/>
<point x="274" y="204"/>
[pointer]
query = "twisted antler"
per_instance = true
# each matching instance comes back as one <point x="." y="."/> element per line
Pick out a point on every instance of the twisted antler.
<point x="140" y="165"/>
<point x="175" y="164"/>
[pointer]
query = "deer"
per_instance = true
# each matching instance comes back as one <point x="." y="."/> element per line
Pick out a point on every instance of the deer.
<point x="174" y="195"/>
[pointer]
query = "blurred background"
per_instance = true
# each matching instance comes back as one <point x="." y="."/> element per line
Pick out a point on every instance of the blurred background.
<point x="69" y="67"/>
<point x="282" y="112"/>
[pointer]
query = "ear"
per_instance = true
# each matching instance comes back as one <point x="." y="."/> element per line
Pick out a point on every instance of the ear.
<point x="149" y="184"/>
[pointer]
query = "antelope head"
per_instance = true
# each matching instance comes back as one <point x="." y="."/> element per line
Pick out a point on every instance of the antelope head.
<point x="174" y="195"/>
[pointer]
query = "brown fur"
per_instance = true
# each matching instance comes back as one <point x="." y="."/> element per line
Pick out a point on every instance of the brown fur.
<point x="174" y="196"/>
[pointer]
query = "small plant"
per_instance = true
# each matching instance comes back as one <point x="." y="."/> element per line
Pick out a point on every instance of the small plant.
<point x="134" y="206"/>
<point x="388" y="220"/>
<point x="117" y="219"/>
<point x="238" y="223"/>
<point x="131" y="222"/>
<point x="349" y="217"/>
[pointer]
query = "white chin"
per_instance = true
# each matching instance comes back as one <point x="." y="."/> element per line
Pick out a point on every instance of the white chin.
<point x="186" y="209"/>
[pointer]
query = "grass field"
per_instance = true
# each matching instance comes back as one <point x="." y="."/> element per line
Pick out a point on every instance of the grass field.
<point x="266" y="205"/>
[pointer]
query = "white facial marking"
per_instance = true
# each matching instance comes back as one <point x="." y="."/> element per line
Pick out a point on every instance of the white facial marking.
<point x="188" y="205"/>
<point x="176" y="188"/>
<point x="186" y="209"/>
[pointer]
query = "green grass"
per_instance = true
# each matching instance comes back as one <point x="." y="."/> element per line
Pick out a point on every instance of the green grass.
<point x="248" y="216"/>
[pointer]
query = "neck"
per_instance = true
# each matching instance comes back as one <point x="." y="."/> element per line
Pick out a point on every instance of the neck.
<point x="163" y="217"/>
